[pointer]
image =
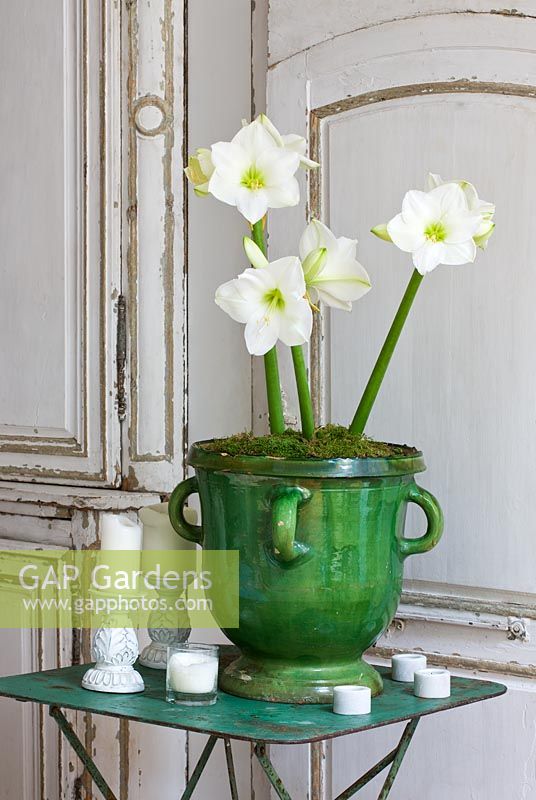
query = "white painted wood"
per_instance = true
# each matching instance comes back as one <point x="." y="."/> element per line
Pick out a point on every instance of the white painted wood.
<point x="219" y="365"/>
<point x="461" y="384"/>
<point x="154" y="263"/>
<point x="60" y="255"/>
<point x="298" y="26"/>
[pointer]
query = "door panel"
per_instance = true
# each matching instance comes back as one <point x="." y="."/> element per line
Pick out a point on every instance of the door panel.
<point x="58" y="267"/>
<point x="449" y="90"/>
<point x="459" y="386"/>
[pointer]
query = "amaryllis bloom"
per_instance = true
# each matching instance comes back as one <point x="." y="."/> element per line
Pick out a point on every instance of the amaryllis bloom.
<point x="252" y="173"/>
<point x="289" y="141"/>
<point x="332" y="273"/>
<point x="271" y="303"/>
<point x="199" y="170"/>
<point x="436" y="227"/>
<point x="475" y="204"/>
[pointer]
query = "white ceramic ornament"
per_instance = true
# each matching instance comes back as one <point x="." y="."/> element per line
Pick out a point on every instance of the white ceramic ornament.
<point x="351" y="700"/>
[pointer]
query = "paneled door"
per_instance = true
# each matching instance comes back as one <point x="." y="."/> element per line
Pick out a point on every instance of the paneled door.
<point x="60" y="230"/>
<point x="448" y="88"/>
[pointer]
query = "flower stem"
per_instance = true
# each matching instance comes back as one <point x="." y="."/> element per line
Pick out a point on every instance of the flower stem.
<point x="380" y="368"/>
<point x="271" y="366"/>
<point x="304" y="394"/>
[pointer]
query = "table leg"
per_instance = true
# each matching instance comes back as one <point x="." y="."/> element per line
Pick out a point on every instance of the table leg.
<point x="268" y="767"/>
<point x="230" y="769"/>
<point x="199" y="767"/>
<point x="397" y="761"/>
<point x="394" y="758"/>
<point x="67" y="730"/>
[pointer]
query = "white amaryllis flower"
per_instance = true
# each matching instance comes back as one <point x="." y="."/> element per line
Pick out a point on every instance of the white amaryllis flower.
<point x="271" y="303"/>
<point x="475" y="204"/>
<point x="252" y="173"/>
<point x="436" y="227"/>
<point x="332" y="273"/>
<point x="290" y="141"/>
<point x="199" y="170"/>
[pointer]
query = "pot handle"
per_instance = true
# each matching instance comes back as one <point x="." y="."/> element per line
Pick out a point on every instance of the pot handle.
<point x="284" y="520"/>
<point x="434" y="515"/>
<point x="192" y="533"/>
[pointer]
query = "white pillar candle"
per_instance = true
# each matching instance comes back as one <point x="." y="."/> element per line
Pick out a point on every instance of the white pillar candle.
<point x="158" y="532"/>
<point x="432" y="683"/>
<point x="405" y="665"/>
<point x="118" y="532"/>
<point x="351" y="700"/>
<point x="193" y="673"/>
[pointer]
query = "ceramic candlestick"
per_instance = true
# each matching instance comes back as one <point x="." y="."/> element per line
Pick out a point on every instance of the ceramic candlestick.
<point x="351" y="700"/>
<point x="404" y="666"/>
<point x="432" y="683"/>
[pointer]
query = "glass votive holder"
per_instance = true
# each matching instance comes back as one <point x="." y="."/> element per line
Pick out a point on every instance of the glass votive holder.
<point x="192" y="674"/>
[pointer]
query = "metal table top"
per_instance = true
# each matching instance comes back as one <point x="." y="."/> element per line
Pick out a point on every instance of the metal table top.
<point x="236" y="717"/>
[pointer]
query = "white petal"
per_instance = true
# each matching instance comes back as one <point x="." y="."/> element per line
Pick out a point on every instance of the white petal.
<point x="294" y="142"/>
<point x="254" y="139"/>
<point x="230" y="300"/>
<point x="344" y="283"/>
<point x="283" y="196"/>
<point x="252" y="204"/>
<point x="420" y="208"/>
<point x="450" y="198"/>
<point x="272" y="130"/>
<point x="277" y="166"/>
<point x="460" y="226"/>
<point x="462" y="253"/>
<point x="223" y="189"/>
<point x="346" y="248"/>
<point x="407" y="237"/>
<point x="310" y="239"/>
<point x="296" y="323"/>
<point x="329" y="300"/>
<point x="287" y="274"/>
<point x="229" y="156"/>
<point x="261" y="333"/>
<point x="314" y="236"/>
<point x="427" y="257"/>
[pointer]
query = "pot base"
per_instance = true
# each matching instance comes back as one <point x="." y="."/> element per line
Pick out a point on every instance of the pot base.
<point x="280" y="681"/>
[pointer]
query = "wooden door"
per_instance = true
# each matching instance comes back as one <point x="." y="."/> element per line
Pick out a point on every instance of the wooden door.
<point x="385" y="99"/>
<point x="114" y="355"/>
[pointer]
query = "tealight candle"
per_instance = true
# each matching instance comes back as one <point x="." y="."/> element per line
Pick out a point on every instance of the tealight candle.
<point x="404" y="666"/>
<point x="432" y="683"/>
<point x="192" y="674"/>
<point x="351" y="700"/>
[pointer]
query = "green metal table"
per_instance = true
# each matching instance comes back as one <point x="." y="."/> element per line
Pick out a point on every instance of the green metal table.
<point x="236" y="718"/>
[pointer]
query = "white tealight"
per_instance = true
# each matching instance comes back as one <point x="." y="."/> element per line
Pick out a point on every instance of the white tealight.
<point x="351" y="700"/>
<point x="405" y="665"/>
<point x="432" y="683"/>
<point x="192" y="673"/>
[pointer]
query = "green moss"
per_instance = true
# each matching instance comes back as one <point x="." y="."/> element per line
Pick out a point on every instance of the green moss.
<point x="333" y="441"/>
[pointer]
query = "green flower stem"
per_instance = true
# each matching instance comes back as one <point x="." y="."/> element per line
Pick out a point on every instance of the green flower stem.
<point x="304" y="394"/>
<point x="271" y="366"/>
<point x="380" y="368"/>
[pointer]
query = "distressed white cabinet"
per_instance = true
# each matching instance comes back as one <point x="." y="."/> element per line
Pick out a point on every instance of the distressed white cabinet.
<point x="113" y="353"/>
<point x="386" y="95"/>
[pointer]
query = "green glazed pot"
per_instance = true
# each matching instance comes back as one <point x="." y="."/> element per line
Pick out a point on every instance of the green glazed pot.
<point x="322" y="550"/>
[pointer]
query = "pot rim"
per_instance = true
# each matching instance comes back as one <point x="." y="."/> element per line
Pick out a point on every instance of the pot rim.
<point x="310" y="468"/>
